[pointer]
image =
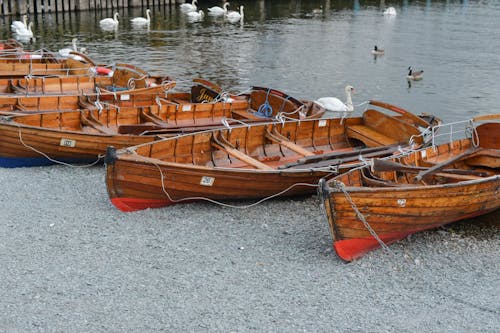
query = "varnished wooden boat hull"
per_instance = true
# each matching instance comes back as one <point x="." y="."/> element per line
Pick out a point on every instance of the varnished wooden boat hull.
<point x="122" y="82"/>
<point x="133" y="185"/>
<point x="82" y="136"/>
<point x="34" y="146"/>
<point x="398" y="212"/>
<point x="394" y="212"/>
<point x="254" y="162"/>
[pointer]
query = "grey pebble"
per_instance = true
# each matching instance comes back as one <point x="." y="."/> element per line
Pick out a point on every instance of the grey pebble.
<point x="71" y="262"/>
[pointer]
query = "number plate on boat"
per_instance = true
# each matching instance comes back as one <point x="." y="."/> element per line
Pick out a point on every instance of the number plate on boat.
<point x="67" y="142"/>
<point x="186" y="108"/>
<point x="125" y="97"/>
<point x="322" y="123"/>
<point x="207" y="181"/>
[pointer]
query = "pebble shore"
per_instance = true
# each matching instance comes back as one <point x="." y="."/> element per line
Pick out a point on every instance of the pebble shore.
<point x="71" y="262"/>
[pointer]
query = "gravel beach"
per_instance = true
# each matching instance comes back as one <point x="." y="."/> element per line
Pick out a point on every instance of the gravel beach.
<point x="71" y="262"/>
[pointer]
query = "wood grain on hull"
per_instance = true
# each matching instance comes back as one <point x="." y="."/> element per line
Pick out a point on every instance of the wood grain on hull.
<point x="395" y="203"/>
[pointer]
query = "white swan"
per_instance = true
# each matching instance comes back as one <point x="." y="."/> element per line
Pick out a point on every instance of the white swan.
<point x="24" y="32"/>
<point x="414" y="75"/>
<point x="189" y="7"/>
<point x="390" y="11"/>
<point x="217" y="11"/>
<point x="65" y="52"/>
<point x="377" y="51"/>
<point x="110" y="22"/>
<point x="335" y="104"/>
<point x="234" y="15"/>
<point x="195" y="16"/>
<point x="20" y="24"/>
<point x="142" y="20"/>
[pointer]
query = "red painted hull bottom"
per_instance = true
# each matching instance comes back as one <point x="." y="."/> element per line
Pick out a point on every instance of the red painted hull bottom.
<point x="351" y="249"/>
<point x="133" y="204"/>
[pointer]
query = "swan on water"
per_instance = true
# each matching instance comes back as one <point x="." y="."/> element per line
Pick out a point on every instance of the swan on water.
<point x="377" y="51"/>
<point x="24" y="32"/>
<point x="335" y="104"/>
<point x="414" y="75"/>
<point x="390" y="11"/>
<point x="20" y="24"/>
<point x="217" y="11"/>
<point x="142" y="20"/>
<point x="234" y="15"/>
<point x="195" y="16"/>
<point x="110" y="22"/>
<point x="189" y="7"/>
<point x="65" y="52"/>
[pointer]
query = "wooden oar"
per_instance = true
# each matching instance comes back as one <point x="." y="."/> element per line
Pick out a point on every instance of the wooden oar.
<point x="426" y="173"/>
<point x="378" y="151"/>
<point x="385" y="165"/>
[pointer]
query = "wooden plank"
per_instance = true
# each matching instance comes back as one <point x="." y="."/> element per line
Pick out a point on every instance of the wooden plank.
<point x="239" y="155"/>
<point x="94" y="123"/>
<point x="152" y="118"/>
<point x="369" y="136"/>
<point x="278" y="138"/>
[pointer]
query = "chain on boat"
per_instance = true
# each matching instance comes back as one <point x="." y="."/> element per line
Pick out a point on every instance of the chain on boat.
<point x="341" y="186"/>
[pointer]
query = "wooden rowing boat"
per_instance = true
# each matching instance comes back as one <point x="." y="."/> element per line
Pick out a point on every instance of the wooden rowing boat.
<point x="375" y="205"/>
<point x="21" y="64"/>
<point x="248" y="162"/>
<point x="83" y="135"/>
<point x="118" y="77"/>
<point x="20" y="104"/>
<point x="121" y="79"/>
<point x="13" y="65"/>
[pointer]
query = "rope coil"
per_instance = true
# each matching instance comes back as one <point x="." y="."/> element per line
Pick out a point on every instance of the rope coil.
<point x="265" y="110"/>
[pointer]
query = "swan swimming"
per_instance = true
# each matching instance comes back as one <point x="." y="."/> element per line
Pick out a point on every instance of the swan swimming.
<point x="390" y="11"/>
<point x="24" y="32"/>
<point x="189" y="7"/>
<point x="65" y="52"/>
<point x="110" y="22"/>
<point x="195" y="16"/>
<point x="141" y="20"/>
<point x="234" y="16"/>
<point x="217" y="11"/>
<point x="335" y="104"/>
<point x="20" y="24"/>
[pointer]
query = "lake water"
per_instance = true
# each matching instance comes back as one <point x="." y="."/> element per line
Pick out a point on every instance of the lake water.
<point x="281" y="44"/>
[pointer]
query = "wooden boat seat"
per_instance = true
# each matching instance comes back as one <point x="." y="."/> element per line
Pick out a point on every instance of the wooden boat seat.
<point x="381" y="129"/>
<point x="487" y="158"/>
<point x="369" y="136"/>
